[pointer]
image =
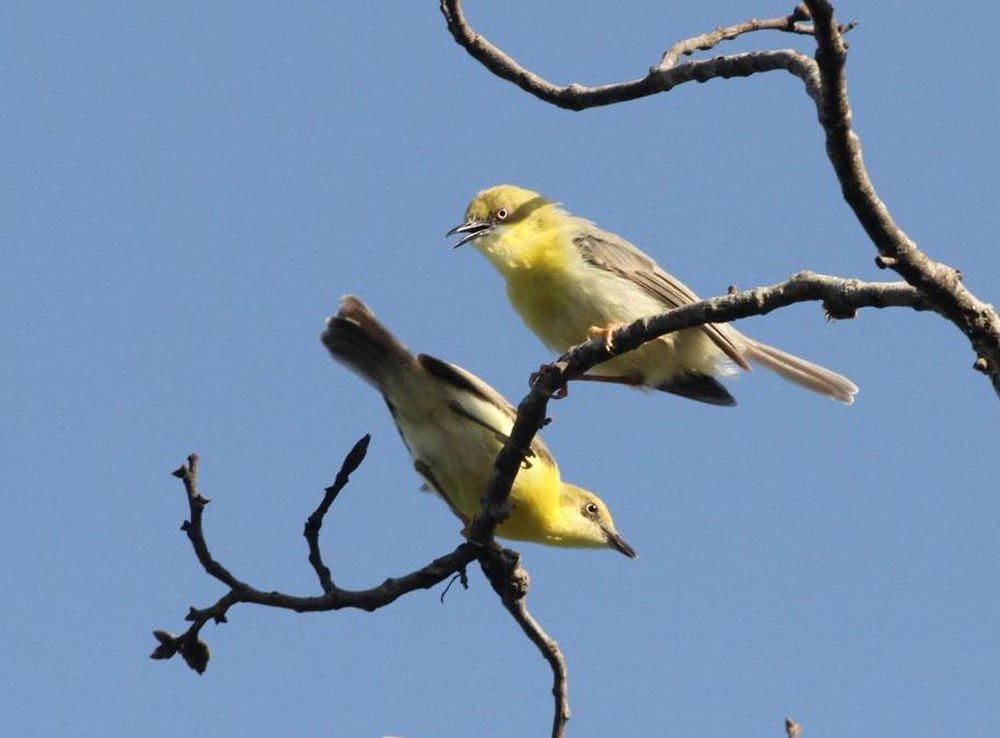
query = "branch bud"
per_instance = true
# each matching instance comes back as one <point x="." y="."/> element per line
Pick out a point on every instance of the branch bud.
<point x="195" y="654"/>
<point x="167" y="647"/>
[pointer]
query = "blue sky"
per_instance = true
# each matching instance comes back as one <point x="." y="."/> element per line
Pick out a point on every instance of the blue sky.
<point x="186" y="190"/>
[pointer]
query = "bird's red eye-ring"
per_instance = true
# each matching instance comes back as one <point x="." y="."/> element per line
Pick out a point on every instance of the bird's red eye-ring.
<point x="502" y="214"/>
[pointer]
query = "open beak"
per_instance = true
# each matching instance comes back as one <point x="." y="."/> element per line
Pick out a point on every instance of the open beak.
<point x="616" y="542"/>
<point x="471" y="230"/>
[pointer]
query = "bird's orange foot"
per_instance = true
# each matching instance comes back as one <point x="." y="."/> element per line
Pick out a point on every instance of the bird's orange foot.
<point x="606" y="334"/>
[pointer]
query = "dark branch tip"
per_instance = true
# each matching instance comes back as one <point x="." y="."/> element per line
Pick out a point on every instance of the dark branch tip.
<point x="163" y="652"/>
<point x="356" y="455"/>
<point x="195" y="654"/>
<point x="168" y="645"/>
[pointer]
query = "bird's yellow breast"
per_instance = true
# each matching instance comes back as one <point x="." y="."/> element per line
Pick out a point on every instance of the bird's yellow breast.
<point x="560" y="296"/>
<point x="539" y="245"/>
<point x="544" y="273"/>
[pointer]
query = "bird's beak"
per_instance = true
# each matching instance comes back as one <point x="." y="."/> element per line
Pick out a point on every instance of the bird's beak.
<point x="473" y="229"/>
<point x="616" y="542"/>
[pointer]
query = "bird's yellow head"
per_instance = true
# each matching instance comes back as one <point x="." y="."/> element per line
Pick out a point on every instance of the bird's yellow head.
<point x="497" y="209"/>
<point x="584" y="521"/>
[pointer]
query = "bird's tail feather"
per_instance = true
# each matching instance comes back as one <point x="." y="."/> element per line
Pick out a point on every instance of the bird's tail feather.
<point x="355" y="338"/>
<point x="700" y="387"/>
<point x="801" y="372"/>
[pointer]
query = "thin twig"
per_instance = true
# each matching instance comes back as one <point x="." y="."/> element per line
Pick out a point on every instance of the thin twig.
<point x="553" y="655"/>
<point x="706" y="41"/>
<point x="511" y="582"/>
<point x="188" y="474"/>
<point x="315" y="521"/>
<point x="658" y="79"/>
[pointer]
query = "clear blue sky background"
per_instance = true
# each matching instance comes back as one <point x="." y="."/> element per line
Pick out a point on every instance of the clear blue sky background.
<point x="187" y="189"/>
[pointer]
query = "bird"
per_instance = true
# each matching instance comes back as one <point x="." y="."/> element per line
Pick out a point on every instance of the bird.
<point x="571" y="281"/>
<point x="454" y="424"/>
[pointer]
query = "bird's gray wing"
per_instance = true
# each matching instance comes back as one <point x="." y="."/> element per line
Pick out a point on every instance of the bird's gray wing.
<point x="616" y="255"/>
<point x="460" y="378"/>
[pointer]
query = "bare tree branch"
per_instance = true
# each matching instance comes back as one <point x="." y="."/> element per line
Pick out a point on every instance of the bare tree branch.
<point x="315" y="521"/>
<point x="511" y="582"/>
<point x="553" y="655"/>
<point x="941" y="283"/>
<point x="660" y="78"/>
<point x="825" y="83"/>
<point x="501" y="566"/>
<point x="841" y="299"/>
<point x="333" y="597"/>
<point x="704" y="42"/>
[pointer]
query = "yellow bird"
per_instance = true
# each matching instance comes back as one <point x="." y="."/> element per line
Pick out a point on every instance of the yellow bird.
<point x="453" y="424"/>
<point x="570" y="281"/>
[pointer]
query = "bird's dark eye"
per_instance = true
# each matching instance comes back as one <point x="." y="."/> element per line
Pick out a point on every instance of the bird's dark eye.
<point x="502" y="214"/>
<point x="591" y="510"/>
